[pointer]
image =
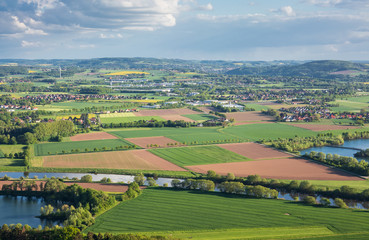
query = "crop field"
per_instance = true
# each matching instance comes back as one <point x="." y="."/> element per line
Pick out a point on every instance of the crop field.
<point x="92" y="136"/>
<point x="285" y="168"/>
<point x="176" y="118"/>
<point x="129" y="119"/>
<point x="257" y="107"/>
<point x="150" y="142"/>
<point x="164" y="210"/>
<point x="163" y="112"/>
<point x="200" y="117"/>
<point x="254" y="132"/>
<point x="254" y="150"/>
<point x="122" y="73"/>
<point x="323" y="127"/>
<point x="74" y="116"/>
<point x="134" y="159"/>
<point x="186" y="156"/>
<point x="183" y="135"/>
<point x="113" y="115"/>
<point x="77" y="105"/>
<point x="249" y="116"/>
<point x="43" y="149"/>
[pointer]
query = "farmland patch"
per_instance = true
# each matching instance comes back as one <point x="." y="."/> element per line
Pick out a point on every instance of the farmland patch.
<point x="287" y="168"/>
<point x="150" y="142"/>
<point x="92" y="136"/>
<point x="323" y="127"/>
<point x="135" y="159"/>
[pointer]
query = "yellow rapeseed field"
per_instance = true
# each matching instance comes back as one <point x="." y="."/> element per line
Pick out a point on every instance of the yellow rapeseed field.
<point x="31" y="71"/>
<point x="125" y="73"/>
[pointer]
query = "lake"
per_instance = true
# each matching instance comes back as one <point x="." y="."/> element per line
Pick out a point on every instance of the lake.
<point x="22" y="210"/>
<point x="358" y="143"/>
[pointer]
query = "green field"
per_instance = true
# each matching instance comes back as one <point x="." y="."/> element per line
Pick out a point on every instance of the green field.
<point x="163" y="210"/>
<point x="257" y="107"/>
<point x="129" y="119"/>
<point x="255" y="132"/>
<point x="188" y="135"/>
<point x="5" y="148"/>
<point x="7" y="162"/>
<point x="77" y="105"/>
<point x="200" y="117"/>
<point x="43" y="149"/>
<point x="351" y="105"/>
<point x="187" y="156"/>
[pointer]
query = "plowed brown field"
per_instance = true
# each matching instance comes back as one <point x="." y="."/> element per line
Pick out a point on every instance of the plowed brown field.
<point x="254" y="150"/>
<point x="249" y="116"/>
<point x="134" y="159"/>
<point x="177" y="118"/>
<point x="288" y="168"/>
<point x="145" y="141"/>
<point x="163" y="112"/>
<point x="92" y="136"/>
<point x="322" y="127"/>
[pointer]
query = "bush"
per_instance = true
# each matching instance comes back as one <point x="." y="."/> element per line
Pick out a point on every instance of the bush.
<point x="86" y="178"/>
<point x="340" y="203"/>
<point x="310" y="200"/>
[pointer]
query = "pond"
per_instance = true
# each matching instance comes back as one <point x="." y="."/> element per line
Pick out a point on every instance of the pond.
<point x="358" y="143"/>
<point x="19" y="209"/>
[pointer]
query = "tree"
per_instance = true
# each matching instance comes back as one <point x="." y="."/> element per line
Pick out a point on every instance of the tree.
<point x="140" y="179"/>
<point x="86" y="178"/>
<point x="325" y="202"/>
<point x="310" y="200"/>
<point x="211" y="174"/>
<point x="230" y="177"/>
<point x="340" y="203"/>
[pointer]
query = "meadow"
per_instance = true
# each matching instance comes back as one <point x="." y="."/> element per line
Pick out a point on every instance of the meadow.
<point x="186" y="156"/>
<point x="44" y="149"/>
<point x="77" y="105"/>
<point x="129" y="119"/>
<point x="5" y="148"/>
<point x="255" y="132"/>
<point x="164" y="210"/>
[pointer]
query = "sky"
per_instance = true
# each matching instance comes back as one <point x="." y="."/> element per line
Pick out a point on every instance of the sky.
<point x="249" y="30"/>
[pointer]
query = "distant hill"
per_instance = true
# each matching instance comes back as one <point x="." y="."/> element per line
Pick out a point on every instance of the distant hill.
<point x="322" y="69"/>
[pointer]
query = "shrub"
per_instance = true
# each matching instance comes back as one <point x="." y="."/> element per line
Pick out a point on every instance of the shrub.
<point x="86" y="178"/>
<point x="310" y="200"/>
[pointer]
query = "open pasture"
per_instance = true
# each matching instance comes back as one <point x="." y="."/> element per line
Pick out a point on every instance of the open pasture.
<point x="286" y="168"/>
<point x="186" y="156"/>
<point x="350" y="105"/>
<point x="163" y="112"/>
<point x="255" y="132"/>
<point x="323" y="127"/>
<point x="43" y="149"/>
<point x="6" y="148"/>
<point x="196" y="212"/>
<point x="254" y="150"/>
<point x="150" y="142"/>
<point x="92" y="136"/>
<point x="129" y="119"/>
<point x="77" y="105"/>
<point x="249" y="116"/>
<point x="135" y="159"/>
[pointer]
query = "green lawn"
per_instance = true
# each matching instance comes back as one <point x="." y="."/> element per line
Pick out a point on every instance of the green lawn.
<point x="128" y="119"/>
<point x="163" y="210"/>
<point x="203" y="135"/>
<point x="187" y="156"/>
<point x="54" y="148"/>
<point x="254" y="132"/>
<point x="199" y="117"/>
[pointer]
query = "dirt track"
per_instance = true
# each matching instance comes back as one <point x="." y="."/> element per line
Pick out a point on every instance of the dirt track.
<point x="287" y="168"/>
<point x="92" y="136"/>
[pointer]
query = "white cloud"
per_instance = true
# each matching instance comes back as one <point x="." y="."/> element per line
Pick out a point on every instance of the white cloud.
<point x="340" y="3"/>
<point x="30" y="44"/>
<point x="288" y="10"/>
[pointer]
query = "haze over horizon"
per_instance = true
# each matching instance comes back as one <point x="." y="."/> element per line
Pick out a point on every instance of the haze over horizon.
<point x="185" y="29"/>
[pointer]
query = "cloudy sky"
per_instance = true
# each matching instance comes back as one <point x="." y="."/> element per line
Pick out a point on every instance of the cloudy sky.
<point x="186" y="29"/>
